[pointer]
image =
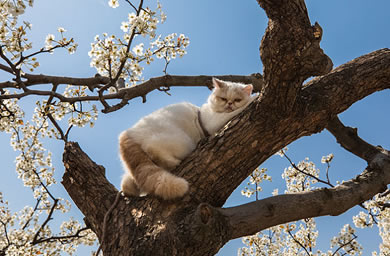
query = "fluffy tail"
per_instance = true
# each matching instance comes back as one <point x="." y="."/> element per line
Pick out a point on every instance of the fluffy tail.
<point x="144" y="176"/>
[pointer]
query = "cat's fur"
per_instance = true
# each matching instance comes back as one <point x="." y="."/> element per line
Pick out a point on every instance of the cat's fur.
<point x="161" y="140"/>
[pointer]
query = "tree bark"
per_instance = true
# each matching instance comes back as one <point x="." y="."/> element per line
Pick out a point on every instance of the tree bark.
<point x="142" y="226"/>
<point x="285" y="111"/>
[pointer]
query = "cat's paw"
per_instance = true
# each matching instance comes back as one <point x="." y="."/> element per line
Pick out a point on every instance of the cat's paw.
<point x="170" y="186"/>
<point x="129" y="187"/>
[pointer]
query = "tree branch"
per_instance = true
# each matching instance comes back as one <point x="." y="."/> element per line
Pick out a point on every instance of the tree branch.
<point x="6" y="68"/>
<point x="348" y="83"/>
<point x="290" y="51"/>
<point x="344" y="245"/>
<point x="263" y="129"/>
<point x="253" y="217"/>
<point x="87" y="185"/>
<point x="112" y="216"/>
<point x="348" y="138"/>
<point x="61" y="238"/>
<point x="48" y="218"/>
<point x="91" y="82"/>
<point x="126" y="94"/>
<point x="326" y="182"/>
<point x="297" y="242"/>
<point x="284" y="112"/>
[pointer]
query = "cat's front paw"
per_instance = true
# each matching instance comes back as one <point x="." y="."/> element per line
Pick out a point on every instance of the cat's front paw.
<point x="170" y="186"/>
<point x="129" y="187"/>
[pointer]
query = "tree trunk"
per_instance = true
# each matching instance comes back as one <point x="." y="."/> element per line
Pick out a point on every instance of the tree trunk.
<point x="140" y="226"/>
<point x="285" y="111"/>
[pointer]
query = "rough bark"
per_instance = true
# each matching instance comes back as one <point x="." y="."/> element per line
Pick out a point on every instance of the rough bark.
<point x="214" y="171"/>
<point x="250" y="218"/>
<point x="285" y="111"/>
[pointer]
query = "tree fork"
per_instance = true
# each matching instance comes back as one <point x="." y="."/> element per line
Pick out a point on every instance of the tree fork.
<point x="143" y="225"/>
<point x="285" y="111"/>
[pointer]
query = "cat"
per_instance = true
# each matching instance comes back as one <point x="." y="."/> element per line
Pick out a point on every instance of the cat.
<point x="161" y="140"/>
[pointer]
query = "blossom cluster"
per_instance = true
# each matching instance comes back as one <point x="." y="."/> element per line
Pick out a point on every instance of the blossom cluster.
<point x="10" y="113"/>
<point x="78" y="115"/>
<point x="18" y="231"/>
<point x="111" y="54"/>
<point x="295" y="238"/>
<point x="14" y="8"/>
<point x="13" y="36"/>
<point x="377" y="213"/>
<point x="29" y="231"/>
<point x="34" y="167"/>
<point x="51" y="43"/>
<point x="346" y="241"/>
<point x="286" y="239"/>
<point x="327" y="159"/>
<point x="255" y="179"/>
<point x="297" y="178"/>
<point x="300" y="237"/>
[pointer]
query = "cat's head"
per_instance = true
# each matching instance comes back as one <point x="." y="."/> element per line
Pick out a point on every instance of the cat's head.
<point x="228" y="96"/>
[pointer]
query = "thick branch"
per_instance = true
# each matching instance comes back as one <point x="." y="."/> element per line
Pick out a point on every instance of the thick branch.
<point x="290" y="50"/>
<point x="284" y="112"/>
<point x="226" y="159"/>
<point x="348" y="83"/>
<point x="6" y="68"/>
<point x="349" y="139"/>
<point x="86" y="183"/>
<point x="256" y="216"/>
<point x="260" y="131"/>
<point x="139" y="225"/>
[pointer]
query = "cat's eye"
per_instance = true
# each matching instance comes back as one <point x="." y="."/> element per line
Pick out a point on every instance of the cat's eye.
<point x="222" y="98"/>
<point x="237" y="100"/>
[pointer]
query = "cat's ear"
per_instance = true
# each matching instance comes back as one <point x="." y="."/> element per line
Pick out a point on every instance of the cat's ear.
<point x="218" y="83"/>
<point x="248" y="89"/>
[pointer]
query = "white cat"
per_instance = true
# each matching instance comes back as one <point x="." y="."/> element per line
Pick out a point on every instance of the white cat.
<point x="161" y="140"/>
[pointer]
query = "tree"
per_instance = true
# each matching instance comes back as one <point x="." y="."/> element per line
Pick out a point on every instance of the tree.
<point x="195" y="225"/>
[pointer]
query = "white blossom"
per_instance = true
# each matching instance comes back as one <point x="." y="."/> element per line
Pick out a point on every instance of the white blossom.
<point x="113" y="3"/>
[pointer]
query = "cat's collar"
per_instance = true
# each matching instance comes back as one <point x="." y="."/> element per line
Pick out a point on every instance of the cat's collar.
<point x="205" y="132"/>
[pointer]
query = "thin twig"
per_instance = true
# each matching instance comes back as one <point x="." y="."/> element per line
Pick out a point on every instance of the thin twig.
<point x="57" y="126"/>
<point x="23" y="58"/>
<point x="67" y="132"/>
<point x="49" y="217"/>
<point x="4" y="106"/>
<point x="385" y="193"/>
<point x="308" y="174"/>
<point x="345" y="244"/>
<point x="9" y="62"/>
<point x="31" y="217"/>
<point x="54" y="238"/>
<point x="121" y="66"/>
<point x="50" y="116"/>
<point x="327" y="172"/>
<point x="6" y="233"/>
<point x="299" y="243"/>
<point x="131" y="4"/>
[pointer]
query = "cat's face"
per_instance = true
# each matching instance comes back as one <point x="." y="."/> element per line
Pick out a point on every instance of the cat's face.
<point x="228" y="96"/>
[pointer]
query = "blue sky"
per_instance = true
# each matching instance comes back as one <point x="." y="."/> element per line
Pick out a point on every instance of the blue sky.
<point x="225" y="38"/>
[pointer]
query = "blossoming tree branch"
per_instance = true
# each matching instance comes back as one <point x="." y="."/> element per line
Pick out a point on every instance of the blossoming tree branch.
<point x="285" y="110"/>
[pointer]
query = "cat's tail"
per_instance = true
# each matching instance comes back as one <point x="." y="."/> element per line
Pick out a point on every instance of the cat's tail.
<point x="144" y="176"/>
